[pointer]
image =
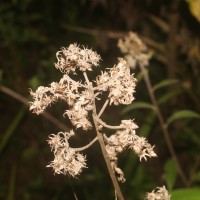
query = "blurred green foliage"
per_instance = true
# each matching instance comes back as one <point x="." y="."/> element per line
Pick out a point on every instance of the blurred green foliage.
<point x="31" y="31"/>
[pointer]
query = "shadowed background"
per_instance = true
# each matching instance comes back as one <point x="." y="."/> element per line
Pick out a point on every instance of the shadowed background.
<point x="32" y="31"/>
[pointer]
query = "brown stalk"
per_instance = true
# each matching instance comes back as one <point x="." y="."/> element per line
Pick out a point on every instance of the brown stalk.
<point x="110" y="34"/>
<point x="102" y="144"/>
<point x="25" y="101"/>
<point x="163" y="125"/>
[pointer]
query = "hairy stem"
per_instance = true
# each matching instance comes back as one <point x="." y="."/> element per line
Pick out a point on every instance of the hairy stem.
<point x="163" y="125"/>
<point x="102" y="144"/>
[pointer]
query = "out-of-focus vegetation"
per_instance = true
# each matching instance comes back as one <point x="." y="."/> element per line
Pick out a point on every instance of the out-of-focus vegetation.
<point x="31" y="31"/>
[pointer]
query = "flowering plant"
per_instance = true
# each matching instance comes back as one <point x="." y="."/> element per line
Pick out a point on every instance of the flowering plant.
<point x="81" y="97"/>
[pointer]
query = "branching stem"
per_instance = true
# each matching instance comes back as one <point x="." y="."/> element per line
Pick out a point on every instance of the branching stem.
<point x="106" y="125"/>
<point x="86" y="146"/>
<point x="103" y="108"/>
<point x="25" y="101"/>
<point x="102" y="144"/>
<point x="163" y="125"/>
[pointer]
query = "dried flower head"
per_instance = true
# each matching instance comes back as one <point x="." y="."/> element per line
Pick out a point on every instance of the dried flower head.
<point x="43" y="97"/>
<point x="68" y="59"/>
<point x="120" y="83"/>
<point x="123" y="139"/>
<point x="66" y="90"/>
<point x="66" y="160"/>
<point x="160" y="193"/>
<point x="80" y="97"/>
<point x="134" y="49"/>
<point x="78" y="113"/>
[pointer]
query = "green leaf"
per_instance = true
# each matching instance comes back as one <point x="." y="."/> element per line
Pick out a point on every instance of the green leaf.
<point x="170" y="174"/>
<point x="163" y="99"/>
<point x="146" y="128"/>
<point x="139" y="176"/>
<point x="12" y="184"/>
<point x="11" y="129"/>
<point x="139" y="77"/>
<point x="196" y="177"/>
<point x="182" y="114"/>
<point x="165" y="83"/>
<point x="130" y="164"/>
<point x="137" y="105"/>
<point x="186" y="194"/>
<point x="34" y="82"/>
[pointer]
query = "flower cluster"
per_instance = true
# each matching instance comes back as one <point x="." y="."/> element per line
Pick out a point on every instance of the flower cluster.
<point x="134" y="49"/>
<point x="79" y="100"/>
<point x="119" y="82"/>
<point x="74" y="57"/>
<point x="66" y="90"/>
<point x="80" y="97"/>
<point x="79" y="112"/>
<point x="160" y="193"/>
<point x="66" y="160"/>
<point x="123" y="139"/>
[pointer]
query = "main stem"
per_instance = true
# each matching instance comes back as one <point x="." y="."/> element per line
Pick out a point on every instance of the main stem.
<point x="107" y="160"/>
<point x="163" y="125"/>
<point x="102" y="144"/>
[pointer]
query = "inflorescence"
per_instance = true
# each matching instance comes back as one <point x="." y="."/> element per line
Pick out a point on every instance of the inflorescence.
<point x="119" y="84"/>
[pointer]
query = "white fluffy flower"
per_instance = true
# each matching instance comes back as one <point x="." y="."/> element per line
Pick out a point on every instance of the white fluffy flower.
<point x="119" y="82"/>
<point x="78" y="113"/>
<point x="66" y="90"/>
<point x="43" y="97"/>
<point x="66" y="160"/>
<point x="127" y="139"/>
<point x="134" y="49"/>
<point x="160" y="193"/>
<point x="68" y="59"/>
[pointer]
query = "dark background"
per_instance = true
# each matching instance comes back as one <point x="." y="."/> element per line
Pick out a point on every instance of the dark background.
<point x="32" y="31"/>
